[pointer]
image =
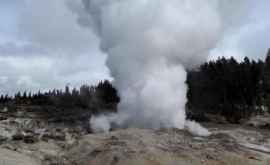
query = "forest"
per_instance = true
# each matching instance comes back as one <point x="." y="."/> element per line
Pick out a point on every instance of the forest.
<point x="97" y="99"/>
<point x="224" y="87"/>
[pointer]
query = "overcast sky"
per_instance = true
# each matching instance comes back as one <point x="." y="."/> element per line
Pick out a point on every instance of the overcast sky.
<point x="43" y="47"/>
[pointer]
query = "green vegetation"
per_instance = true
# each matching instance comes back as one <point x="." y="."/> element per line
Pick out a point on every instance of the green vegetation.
<point x="235" y="90"/>
<point x="96" y="99"/>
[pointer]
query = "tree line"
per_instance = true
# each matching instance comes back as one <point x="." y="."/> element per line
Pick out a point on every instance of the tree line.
<point x="225" y="87"/>
<point x="235" y="90"/>
<point x="97" y="98"/>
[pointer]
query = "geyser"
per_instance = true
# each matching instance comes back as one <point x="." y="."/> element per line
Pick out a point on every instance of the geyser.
<point x="150" y="44"/>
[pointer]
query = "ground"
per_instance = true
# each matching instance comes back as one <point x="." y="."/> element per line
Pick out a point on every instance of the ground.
<point x="25" y="138"/>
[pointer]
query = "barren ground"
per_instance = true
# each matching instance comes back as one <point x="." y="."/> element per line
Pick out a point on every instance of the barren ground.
<point x="27" y="139"/>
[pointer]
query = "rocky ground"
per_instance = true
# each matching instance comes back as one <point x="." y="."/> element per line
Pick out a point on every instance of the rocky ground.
<point x="27" y="138"/>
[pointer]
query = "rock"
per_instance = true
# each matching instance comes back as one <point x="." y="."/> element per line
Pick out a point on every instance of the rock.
<point x="29" y="139"/>
<point x="26" y="138"/>
<point x="3" y="118"/>
<point x="59" y="136"/>
<point x="4" y="110"/>
<point x="6" y="132"/>
<point x="17" y="137"/>
<point x="3" y="139"/>
<point x="260" y="121"/>
<point x="217" y="119"/>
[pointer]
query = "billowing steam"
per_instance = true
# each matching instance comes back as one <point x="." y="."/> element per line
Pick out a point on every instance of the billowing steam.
<point x="150" y="44"/>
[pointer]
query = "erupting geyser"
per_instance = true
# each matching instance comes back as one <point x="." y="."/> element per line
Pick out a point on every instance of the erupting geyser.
<point x="150" y="44"/>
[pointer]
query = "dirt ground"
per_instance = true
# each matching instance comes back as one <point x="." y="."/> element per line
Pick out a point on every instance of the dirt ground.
<point x="26" y="139"/>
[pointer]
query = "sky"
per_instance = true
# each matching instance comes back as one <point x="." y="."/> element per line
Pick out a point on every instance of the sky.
<point x="42" y="46"/>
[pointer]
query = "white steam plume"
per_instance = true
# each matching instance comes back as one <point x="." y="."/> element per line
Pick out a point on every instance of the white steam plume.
<point x="149" y="44"/>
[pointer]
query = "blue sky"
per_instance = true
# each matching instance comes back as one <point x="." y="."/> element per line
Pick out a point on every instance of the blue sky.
<point x="42" y="46"/>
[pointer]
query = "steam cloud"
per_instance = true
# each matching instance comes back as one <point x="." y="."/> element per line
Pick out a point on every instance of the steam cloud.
<point x="150" y="44"/>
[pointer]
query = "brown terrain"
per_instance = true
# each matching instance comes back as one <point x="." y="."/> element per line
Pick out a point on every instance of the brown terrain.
<point x="27" y="138"/>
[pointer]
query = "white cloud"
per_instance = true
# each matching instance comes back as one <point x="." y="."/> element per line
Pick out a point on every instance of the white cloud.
<point x="252" y="39"/>
<point x="47" y="49"/>
<point x="45" y="72"/>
